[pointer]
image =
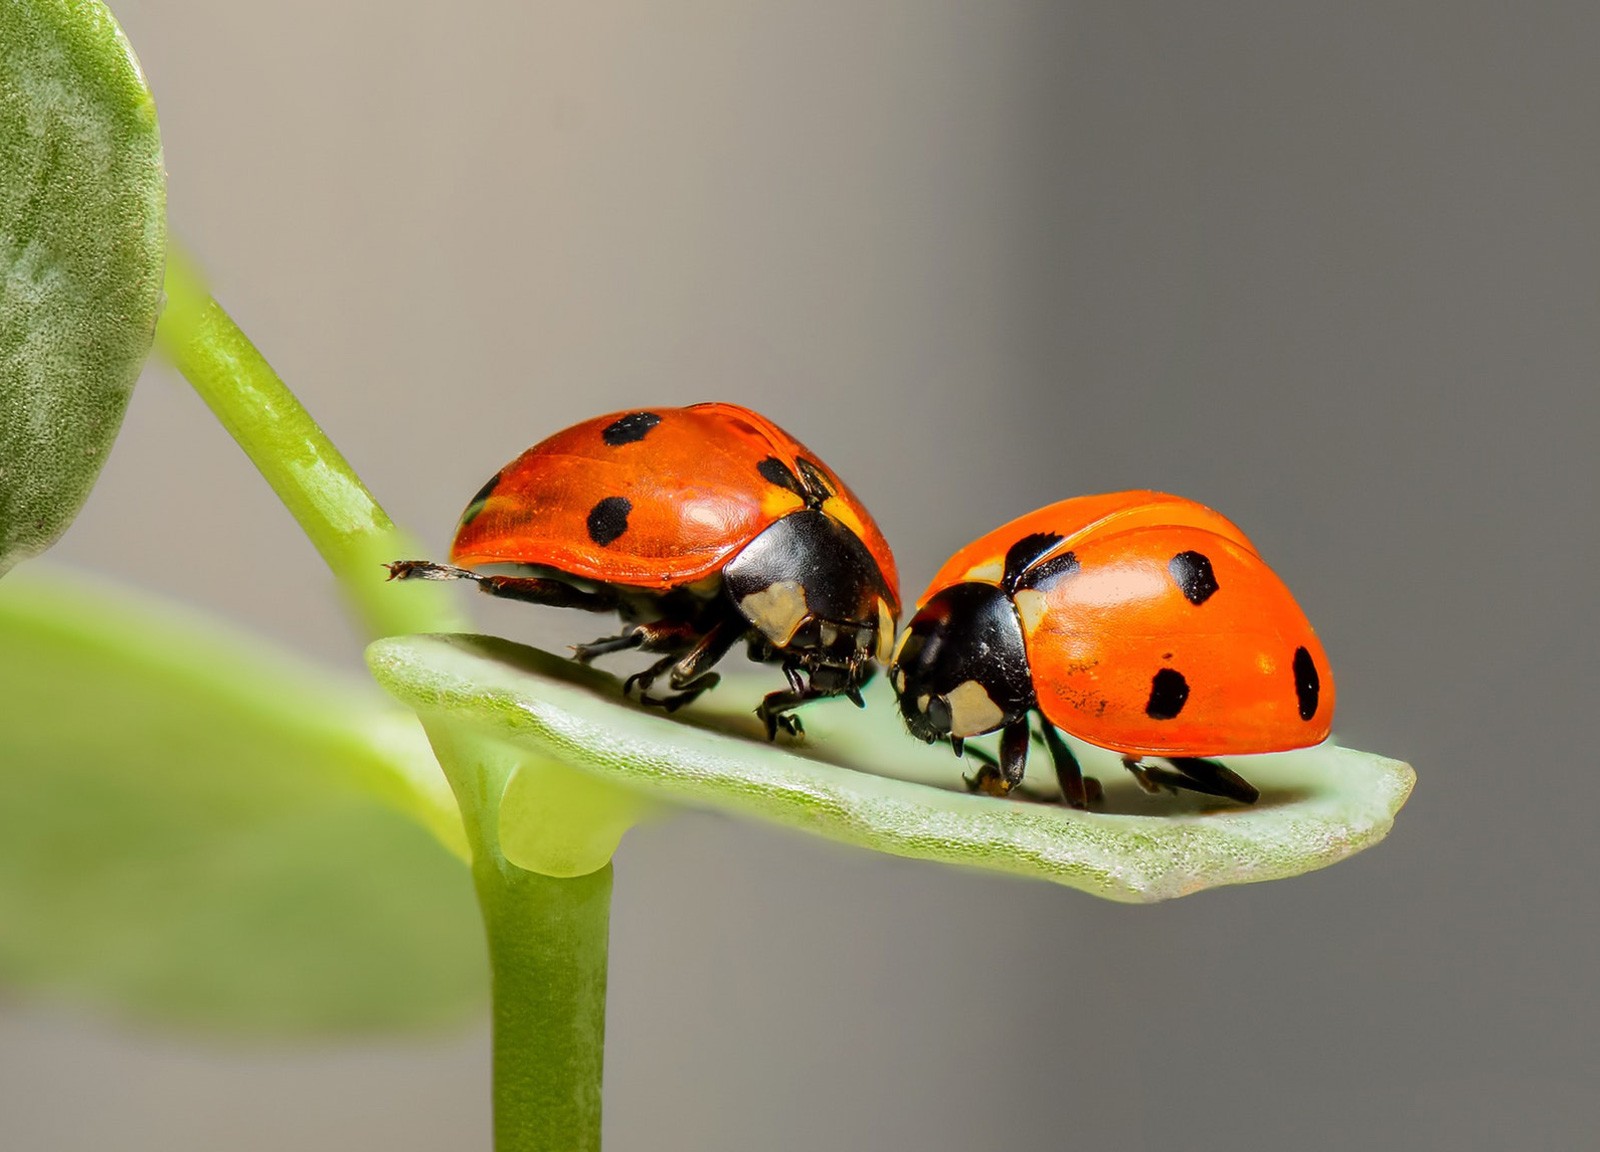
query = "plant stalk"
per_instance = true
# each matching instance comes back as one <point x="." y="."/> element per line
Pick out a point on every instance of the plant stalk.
<point x="316" y="484"/>
<point x="547" y="937"/>
<point x="547" y="950"/>
<point x="548" y="940"/>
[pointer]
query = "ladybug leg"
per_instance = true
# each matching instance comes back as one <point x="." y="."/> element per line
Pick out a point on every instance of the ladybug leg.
<point x="1192" y="774"/>
<point x="692" y="674"/>
<point x="1150" y="777"/>
<point x="797" y="682"/>
<point x="999" y="780"/>
<point x="775" y="707"/>
<point x="655" y="636"/>
<point x="643" y="680"/>
<point x="1214" y="779"/>
<point x="534" y="589"/>
<point x="689" y="674"/>
<point x="587" y="653"/>
<point x="1076" y="789"/>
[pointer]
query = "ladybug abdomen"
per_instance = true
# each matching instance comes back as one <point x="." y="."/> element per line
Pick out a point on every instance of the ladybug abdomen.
<point x="1175" y="640"/>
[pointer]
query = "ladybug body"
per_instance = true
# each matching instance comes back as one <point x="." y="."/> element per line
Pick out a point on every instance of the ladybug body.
<point x="701" y="527"/>
<point x="1135" y="621"/>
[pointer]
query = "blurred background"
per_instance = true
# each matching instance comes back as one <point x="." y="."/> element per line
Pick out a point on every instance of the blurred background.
<point x="1333" y="269"/>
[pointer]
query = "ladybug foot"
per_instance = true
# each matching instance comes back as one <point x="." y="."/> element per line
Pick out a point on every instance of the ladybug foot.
<point x="1145" y="777"/>
<point x="988" y="782"/>
<point x="587" y="653"/>
<point x="786" y="722"/>
<point x="1193" y="774"/>
<point x="670" y="703"/>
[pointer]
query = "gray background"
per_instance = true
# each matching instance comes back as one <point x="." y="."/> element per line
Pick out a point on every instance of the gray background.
<point x="1332" y="269"/>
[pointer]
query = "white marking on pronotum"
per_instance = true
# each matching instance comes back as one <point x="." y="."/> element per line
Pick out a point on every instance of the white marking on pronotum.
<point x="777" y="610"/>
<point x="972" y="712"/>
<point x="900" y="645"/>
<point x="885" y="631"/>
<point x="989" y="572"/>
<point x="1031" y="607"/>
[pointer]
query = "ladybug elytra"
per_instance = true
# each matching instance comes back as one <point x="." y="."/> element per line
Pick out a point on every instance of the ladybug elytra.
<point x="701" y="527"/>
<point x="1136" y="621"/>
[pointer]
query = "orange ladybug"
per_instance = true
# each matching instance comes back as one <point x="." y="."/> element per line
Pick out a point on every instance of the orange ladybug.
<point x="1136" y="621"/>
<point x="700" y="527"/>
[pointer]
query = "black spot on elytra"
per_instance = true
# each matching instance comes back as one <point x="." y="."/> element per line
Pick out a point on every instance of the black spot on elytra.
<point x="1169" y="692"/>
<point x="478" y="501"/>
<point x="630" y="428"/>
<point x="775" y="471"/>
<point x="1192" y="573"/>
<point x="1307" y="684"/>
<point x="609" y="519"/>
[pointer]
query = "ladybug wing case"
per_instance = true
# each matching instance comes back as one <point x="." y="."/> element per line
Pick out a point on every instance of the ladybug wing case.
<point x="1079" y="518"/>
<point x="652" y="499"/>
<point x="1175" y="640"/>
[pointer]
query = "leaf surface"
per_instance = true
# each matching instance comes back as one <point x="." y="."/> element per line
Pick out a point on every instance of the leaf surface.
<point x="82" y="244"/>
<point x="197" y="830"/>
<point x="858" y="778"/>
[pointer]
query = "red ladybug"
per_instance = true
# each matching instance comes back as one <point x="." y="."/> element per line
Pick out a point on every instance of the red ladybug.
<point x="1136" y="621"/>
<point x="700" y="527"/>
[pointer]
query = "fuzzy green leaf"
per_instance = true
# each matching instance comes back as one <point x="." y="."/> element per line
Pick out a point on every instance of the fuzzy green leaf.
<point x="858" y="778"/>
<point x="197" y="830"/>
<point x="82" y="241"/>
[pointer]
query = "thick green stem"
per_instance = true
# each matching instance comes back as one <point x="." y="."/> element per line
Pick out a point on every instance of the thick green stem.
<point x="317" y="485"/>
<point x="547" y="936"/>
<point x="548" y="939"/>
<point x="547" y="949"/>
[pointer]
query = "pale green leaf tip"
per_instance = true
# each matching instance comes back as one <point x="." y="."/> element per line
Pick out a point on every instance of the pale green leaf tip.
<point x="859" y="779"/>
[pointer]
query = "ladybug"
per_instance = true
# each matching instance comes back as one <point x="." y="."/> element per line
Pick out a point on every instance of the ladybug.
<point x="1137" y="621"/>
<point x="701" y="527"/>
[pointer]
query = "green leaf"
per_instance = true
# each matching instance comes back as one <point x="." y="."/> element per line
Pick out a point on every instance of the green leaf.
<point x="198" y="830"/>
<point x="858" y="778"/>
<point x="82" y="240"/>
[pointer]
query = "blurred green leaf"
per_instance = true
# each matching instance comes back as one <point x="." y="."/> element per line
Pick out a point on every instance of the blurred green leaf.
<point x="198" y="830"/>
<point x="82" y="240"/>
<point x="858" y="778"/>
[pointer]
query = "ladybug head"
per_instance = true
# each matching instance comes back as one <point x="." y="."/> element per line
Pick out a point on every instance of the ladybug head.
<point x="961" y="668"/>
<point x="813" y="592"/>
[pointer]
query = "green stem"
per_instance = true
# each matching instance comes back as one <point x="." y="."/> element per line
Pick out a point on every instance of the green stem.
<point x="548" y="939"/>
<point x="547" y="936"/>
<point x="547" y="951"/>
<point x="317" y="485"/>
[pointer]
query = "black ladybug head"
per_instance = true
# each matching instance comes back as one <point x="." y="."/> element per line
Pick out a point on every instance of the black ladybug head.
<point x="813" y="592"/>
<point x="961" y="668"/>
